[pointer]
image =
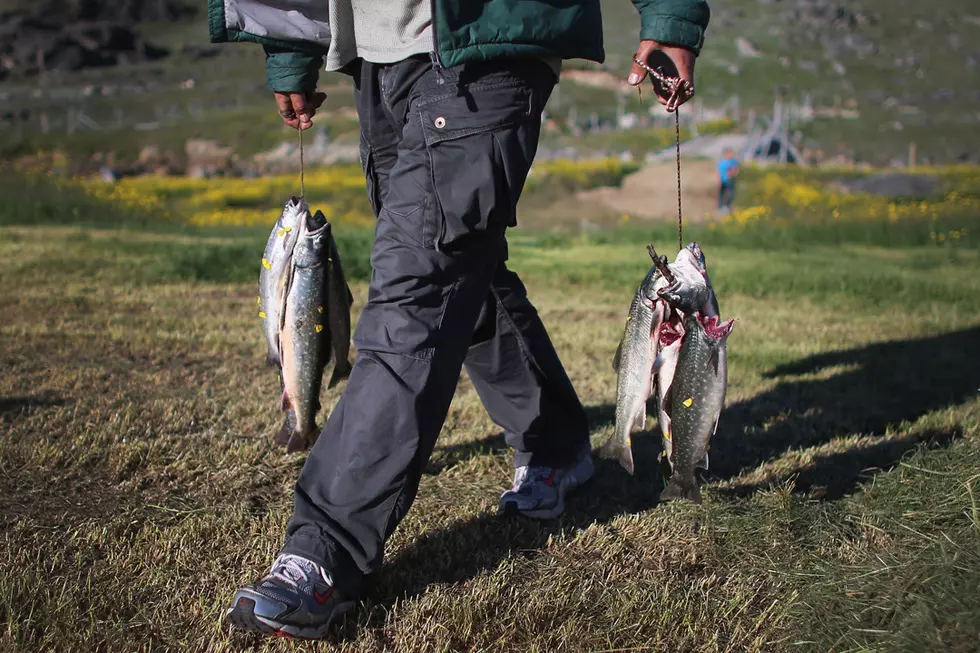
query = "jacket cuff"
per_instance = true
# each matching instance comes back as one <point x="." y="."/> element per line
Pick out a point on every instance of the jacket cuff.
<point x="288" y="71"/>
<point x="670" y="30"/>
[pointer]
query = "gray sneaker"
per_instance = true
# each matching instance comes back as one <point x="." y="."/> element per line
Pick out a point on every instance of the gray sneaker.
<point x="296" y="599"/>
<point x="539" y="492"/>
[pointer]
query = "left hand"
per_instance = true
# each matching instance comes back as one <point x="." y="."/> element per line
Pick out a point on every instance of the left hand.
<point x="683" y="59"/>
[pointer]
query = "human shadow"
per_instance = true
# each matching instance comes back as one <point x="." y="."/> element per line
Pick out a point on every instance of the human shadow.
<point x="469" y="546"/>
<point x="446" y="456"/>
<point x="877" y="388"/>
<point x="13" y="407"/>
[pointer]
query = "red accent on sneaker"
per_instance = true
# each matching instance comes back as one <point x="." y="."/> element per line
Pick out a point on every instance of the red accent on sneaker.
<point x="322" y="598"/>
<point x="550" y="481"/>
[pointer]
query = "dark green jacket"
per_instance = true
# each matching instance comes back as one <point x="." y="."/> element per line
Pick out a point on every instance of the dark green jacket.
<point x="465" y="30"/>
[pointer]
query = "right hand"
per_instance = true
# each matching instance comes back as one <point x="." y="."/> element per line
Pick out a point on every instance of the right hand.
<point x="297" y="109"/>
<point x="683" y="59"/>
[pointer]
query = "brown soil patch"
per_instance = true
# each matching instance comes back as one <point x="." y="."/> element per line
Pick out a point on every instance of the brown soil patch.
<point x="651" y="192"/>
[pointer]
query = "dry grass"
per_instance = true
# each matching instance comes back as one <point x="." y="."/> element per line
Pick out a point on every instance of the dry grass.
<point x="139" y="487"/>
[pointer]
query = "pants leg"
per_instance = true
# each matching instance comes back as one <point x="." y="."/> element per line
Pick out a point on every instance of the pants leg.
<point x="468" y="137"/>
<point x="726" y="195"/>
<point x="521" y="381"/>
<point x="512" y="362"/>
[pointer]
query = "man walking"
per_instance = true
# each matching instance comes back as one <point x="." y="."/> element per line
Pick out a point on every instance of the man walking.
<point x="449" y="95"/>
<point x="727" y="172"/>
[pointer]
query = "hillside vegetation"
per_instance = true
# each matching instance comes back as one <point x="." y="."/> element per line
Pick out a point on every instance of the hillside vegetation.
<point x="884" y="72"/>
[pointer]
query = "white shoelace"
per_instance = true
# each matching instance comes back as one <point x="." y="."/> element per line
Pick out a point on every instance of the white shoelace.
<point x="291" y="569"/>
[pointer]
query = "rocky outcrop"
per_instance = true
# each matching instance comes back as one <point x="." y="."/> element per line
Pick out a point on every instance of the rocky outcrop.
<point x="64" y="35"/>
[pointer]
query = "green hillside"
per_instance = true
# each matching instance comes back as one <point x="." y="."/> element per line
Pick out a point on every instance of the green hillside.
<point x="901" y="70"/>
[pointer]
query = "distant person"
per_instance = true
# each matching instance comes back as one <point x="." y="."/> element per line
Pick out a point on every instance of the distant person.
<point x="727" y="172"/>
<point x="449" y="105"/>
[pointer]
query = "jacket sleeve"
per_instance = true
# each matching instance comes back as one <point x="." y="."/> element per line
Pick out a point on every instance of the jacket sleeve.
<point x="291" y="66"/>
<point x="674" y="22"/>
<point x="291" y="71"/>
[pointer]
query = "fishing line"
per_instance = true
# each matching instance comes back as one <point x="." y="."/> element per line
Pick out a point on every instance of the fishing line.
<point x="302" y="167"/>
<point x="680" y="219"/>
<point x="676" y="86"/>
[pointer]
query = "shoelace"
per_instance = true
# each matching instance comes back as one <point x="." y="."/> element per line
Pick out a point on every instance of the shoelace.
<point x="533" y="474"/>
<point x="291" y="569"/>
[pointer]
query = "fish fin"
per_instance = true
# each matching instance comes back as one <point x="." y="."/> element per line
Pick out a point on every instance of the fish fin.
<point x="666" y="467"/>
<point x="658" y="362"/>
<point x="618" y="357"/>
<point x="284" y="435"/>
<point x="703" y="463"/>
<point x="302" y="441"/>
<point x="341" y="370"/>
<point x="677" y="490"/>
<point x="287" y="429"/>
<point x="273" y="360"/>
<point x="285" y="403"/>
<point x="640" y="421"/>
<point x="614" y="449"/>
<point x="668" y="397"/>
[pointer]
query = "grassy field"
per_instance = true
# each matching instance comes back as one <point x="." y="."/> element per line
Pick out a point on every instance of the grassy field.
<point x="139" y="485"/>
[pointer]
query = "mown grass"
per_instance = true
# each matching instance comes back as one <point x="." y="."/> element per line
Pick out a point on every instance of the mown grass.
<point x="139" y="486"/>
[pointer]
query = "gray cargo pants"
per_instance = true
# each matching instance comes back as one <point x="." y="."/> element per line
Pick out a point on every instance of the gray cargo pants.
<point x="446" y="155"/>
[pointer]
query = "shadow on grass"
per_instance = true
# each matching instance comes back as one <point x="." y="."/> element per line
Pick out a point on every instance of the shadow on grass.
<point x="451" y="455"/>
<point x="881" y="386"/>
<point x="13" y="407"/>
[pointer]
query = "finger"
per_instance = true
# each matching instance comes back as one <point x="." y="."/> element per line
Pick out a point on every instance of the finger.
<point x="318" y="99"/>
<point x="286" y="112"/>
<point x="683" y="60"/>
<point x="305" y="111"/>
<point x="638" y="73"/>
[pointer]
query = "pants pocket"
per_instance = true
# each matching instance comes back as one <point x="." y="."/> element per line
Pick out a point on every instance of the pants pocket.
<point x="480" y="146"/>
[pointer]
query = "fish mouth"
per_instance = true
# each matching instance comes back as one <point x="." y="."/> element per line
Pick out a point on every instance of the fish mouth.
<point x="295" y="203"/>
<point x="699" y="260"/>
<point x="715" y="329"/>
<point x="316" y="224"/>
<point x="672" y="329"/>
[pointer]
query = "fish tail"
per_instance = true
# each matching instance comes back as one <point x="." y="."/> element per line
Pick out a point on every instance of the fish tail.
<point x="678" y="490"/>
<point x="614" y="449"/>
<point x="302" y="441"/>
<point x="341" y="371"/>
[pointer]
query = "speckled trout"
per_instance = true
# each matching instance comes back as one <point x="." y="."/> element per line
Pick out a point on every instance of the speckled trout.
<point x="315" y="327"/>
<point x="307" y="319"/>
<point x="697" y="396"/>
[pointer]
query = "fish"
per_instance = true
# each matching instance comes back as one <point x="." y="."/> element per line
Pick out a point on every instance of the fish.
<point x="305" y="339"/>
<point x="339" y="302"/>
<point x="648" y="353"/>
<point x="692" y="290"/>
<point x="634" y="364"/>
<point x="697" y="396"/>
<point x="273" y="274"/>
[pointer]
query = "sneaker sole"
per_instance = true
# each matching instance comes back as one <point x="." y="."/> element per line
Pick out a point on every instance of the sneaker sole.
<point x="575" y="478"/>
<point x="243" y="616"/>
